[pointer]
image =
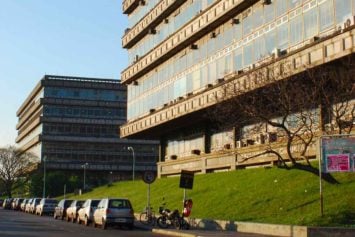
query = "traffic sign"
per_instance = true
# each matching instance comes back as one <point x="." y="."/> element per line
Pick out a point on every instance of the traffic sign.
<point x="186" y="179"/>
<point x="148" y="177"/>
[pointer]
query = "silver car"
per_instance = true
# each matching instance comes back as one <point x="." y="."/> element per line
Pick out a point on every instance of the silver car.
<point x="46" y="206"/>
<point x="86" y="212"/>
<point x="114" y="211"/>
<point x="33" y="205"/>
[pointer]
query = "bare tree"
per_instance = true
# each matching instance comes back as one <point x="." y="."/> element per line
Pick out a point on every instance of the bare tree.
<point x="273" y="98"/>
<point x="335" y="83"/>
<point x="14" y="165"/>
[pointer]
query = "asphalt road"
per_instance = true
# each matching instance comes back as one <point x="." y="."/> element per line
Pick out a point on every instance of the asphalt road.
<point x="20" y="224"/>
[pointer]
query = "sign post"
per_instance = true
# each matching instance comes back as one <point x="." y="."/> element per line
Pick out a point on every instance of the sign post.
<point x="337" y="154"/>
<point x="148" y="178"/>
<point x="186" y="180"/>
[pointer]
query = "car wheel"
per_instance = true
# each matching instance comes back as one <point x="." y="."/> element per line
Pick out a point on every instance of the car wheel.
<point x="86" y="221"/>
<point x="67" y="218"/>
<point x="131" y="226"/>
<point x="78" y="219"/>
<point x="103" y="224"/>
<point x="54" y="216"/>
<point x="73" y="218"/>
<point x="41" y="213"/>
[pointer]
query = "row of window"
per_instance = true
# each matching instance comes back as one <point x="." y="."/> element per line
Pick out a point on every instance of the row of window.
<point x="258" y="15"/>
<point x="141" y="11"/>
<point x="172" y="79"/>
<point x="82" y="130"/>
<point x="170" y="25"/>
<point x="85" y="94"/>
<point x="95" y="158"/>
<point x="84" y="112"/>
<point x="107" y="148"/>
<point x="182" y="145"/>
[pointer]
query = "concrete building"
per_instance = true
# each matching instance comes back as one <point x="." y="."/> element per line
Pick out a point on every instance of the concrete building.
<point x="181" y="53"/>
<point x="72" y="123"/>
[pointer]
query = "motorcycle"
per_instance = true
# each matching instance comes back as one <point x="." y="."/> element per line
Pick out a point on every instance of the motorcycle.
<point x="173" y="219"/>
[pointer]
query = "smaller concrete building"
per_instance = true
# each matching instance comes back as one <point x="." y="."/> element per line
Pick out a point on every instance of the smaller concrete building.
<point x="72" y="123"/>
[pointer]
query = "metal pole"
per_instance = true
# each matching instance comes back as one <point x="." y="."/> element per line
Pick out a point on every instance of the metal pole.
<point x="65" y="189"/>
<point x="44" y="177"/>
<point x="320" y="177"/>
<point x="84" y="177"/>
<point x="134" y="161"/>
<point x="84" y="166"/>
<point x="148" y="198"/>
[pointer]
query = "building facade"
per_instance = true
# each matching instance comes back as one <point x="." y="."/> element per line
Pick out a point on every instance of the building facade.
<point x="72" y="123"/>
<point x="181" y="53"/>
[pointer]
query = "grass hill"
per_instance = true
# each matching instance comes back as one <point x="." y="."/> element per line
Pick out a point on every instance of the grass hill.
<point x="262" y="195"/>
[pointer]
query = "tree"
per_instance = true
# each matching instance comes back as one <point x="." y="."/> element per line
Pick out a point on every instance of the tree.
<point x="272" y="98"/>
<point x="15" y="166"/>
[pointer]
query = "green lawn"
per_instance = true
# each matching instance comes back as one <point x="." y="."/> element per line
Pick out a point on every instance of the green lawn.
<point x="254" y="195"/>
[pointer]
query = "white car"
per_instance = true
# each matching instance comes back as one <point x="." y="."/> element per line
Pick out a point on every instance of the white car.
<point x="114" y="211"/>
<point x="86" y="212"/>
<point x="46" y="206"/>
<point x="72" y="210"/>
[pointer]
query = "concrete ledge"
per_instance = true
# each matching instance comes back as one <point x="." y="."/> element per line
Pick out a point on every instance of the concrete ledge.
<point x="173" y="233"/>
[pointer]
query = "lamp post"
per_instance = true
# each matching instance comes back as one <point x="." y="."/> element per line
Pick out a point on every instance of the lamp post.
<point x="134" y="161"/>
<point x="44" y="176"/>
<point x="84" y="166"/>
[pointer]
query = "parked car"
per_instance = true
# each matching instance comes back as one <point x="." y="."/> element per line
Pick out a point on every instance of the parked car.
<point x="73" y="209"/>
<point x="23" y="204"/>
<point x="1" y="202"/>
<point x="33" y="205"/>
<point x="86" y="212"/>
<point x="7" y="203"/>
<point x="28" y="205"/>
<point x="16" y="204"/>
<point x="114" y="211"/>
<point x="60" y="211"/>
<point x="46" y="206"/>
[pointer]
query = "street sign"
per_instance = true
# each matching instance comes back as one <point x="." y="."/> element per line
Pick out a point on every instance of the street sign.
<point x="186" y="179"/>
<point x="148" y="177"/>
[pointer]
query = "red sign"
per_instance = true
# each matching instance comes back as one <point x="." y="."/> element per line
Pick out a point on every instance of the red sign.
<point x="338" y="163"/>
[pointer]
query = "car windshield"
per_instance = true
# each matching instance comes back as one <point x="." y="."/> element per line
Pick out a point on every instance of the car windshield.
<point x="79" y="203"/>
<point x="67" y="203"/>
<point x="51" y="201"/>
<point x="94" y="203"/>
<point x="119" y="203"/>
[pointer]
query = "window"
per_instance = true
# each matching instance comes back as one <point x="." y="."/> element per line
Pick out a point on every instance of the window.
<point x="282" y="36"/>
<point x="248" y="55"/>
<point x="247" y="25"/>
<point x="342" y="10"/>
<point x="238" y="59"/>
<point x="296" y="30"/>
<point x="295" y="3"/>
<point x="281" y="7"/>
<point x="270" y="41"/>
<point x="311" y="23"/>
<point x="269" y="12"/>
<point x="259" y="48"/>
<point x="326" y="16"/>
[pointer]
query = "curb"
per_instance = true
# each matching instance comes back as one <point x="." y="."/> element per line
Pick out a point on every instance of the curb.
<point x="172" y="233"/>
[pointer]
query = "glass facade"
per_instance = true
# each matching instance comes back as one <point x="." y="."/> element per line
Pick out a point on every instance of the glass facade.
<point x="85" y="94"/>
<point x="179" y="18"/>
<point x="281" y="25"/>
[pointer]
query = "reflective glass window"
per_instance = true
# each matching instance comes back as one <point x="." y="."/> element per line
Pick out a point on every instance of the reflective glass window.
<point x="296" y="30"/>
<point x="342" y="10"/>
<point x="238" y="59"/>
<point x="248" y="54"/>
<point x="326" y="15"/>
<point x="270" y="41"/>
<point x="269" y="12"/>
<point x="282" y="36"/>
<point x="281" y="7"/>
<point x="311" y="23"/>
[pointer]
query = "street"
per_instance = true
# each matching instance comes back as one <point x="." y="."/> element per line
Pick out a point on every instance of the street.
<point x="20" y="224"/>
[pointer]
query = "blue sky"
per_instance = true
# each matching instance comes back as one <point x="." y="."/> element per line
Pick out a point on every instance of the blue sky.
<point x="61" y="37"/>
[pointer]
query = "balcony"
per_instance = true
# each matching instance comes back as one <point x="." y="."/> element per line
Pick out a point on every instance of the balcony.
<point x="163" y="9"/>
<point x="216" y="15"/>
<point x="314" y="54"/>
